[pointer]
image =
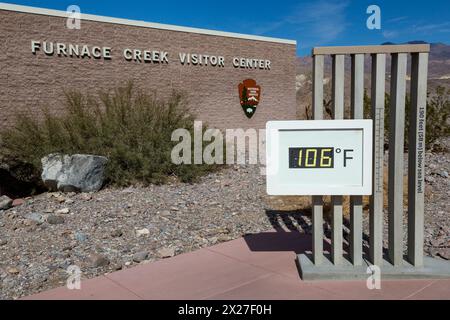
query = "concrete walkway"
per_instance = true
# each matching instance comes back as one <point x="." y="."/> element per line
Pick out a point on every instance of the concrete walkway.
<point x="260" y="266"/>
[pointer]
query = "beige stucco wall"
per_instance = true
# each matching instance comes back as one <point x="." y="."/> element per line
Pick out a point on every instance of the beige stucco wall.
<point x="28" y="81"/>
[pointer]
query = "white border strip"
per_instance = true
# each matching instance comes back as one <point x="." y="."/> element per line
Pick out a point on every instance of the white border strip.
<point x="136" y="23"/>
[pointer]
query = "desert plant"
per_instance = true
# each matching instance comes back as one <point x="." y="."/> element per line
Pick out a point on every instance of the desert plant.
<point x="132" y="128"/>
<point x="437" y="117"/>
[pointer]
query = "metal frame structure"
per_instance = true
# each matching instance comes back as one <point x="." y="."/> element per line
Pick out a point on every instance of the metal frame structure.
<point x="394" y="264"/>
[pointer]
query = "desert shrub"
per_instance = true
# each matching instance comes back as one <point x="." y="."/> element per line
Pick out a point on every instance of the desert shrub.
<point x="437" y="117"/>
<point x="132" y="128"/>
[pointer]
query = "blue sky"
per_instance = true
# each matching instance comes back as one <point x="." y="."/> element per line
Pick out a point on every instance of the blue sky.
<point x="311" y="23"/>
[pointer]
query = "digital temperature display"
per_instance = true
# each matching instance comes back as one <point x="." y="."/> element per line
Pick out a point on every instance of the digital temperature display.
<point x="319" y="157"/>
<point x="311" y="157"/>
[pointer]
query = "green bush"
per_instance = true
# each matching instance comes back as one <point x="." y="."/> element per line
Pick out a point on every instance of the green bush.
<point x="437" y="116"/>
<point x="132" y="128"/>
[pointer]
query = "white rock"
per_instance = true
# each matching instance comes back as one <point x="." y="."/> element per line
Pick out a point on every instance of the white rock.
<point x="62" y="211"/>
<point x="5" y="203"/>
<point x="140" y="256"/>
<point x="79" y="172"/>
<point x="13" y="270"/>
<point x="36" y="217"/>
<point x="166" y="252"/>
<point x="142" y="232"/>
<point x="86" y="197"/>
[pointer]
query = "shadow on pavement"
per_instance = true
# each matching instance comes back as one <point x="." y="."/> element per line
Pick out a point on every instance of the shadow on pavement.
<point x="296" y="238"/>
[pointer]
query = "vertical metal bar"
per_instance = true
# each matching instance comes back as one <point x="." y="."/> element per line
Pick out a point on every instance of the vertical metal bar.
<point x="336" y="201"/>
<point x="317" y="201"/>
<point x="336" y="230"/>
<point x="357" y="86"/>
<point x="317" y="221"/>
<point x="376" y="200"/>
<point x="356" y="209"/>
<point x="355" y="242"/>
<point x="317" y="100"/>
<point x="416" y="161"/>
<point x="396" y="147"/>
<point x="338" y="86"/>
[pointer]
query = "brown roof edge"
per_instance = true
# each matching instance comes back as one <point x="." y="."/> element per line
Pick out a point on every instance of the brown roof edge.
<point x="401" y="48"/>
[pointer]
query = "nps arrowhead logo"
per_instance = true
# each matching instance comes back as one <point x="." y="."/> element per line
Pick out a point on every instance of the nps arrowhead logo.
<point x="249" y="95"/>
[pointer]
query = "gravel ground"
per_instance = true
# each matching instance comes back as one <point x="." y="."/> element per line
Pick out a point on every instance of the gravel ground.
<point x="437" y="207"/>
<point x="119" y="228"/>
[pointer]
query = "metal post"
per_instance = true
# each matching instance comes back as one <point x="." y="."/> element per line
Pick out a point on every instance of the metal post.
<point x="376" y="200"/>
<point x="416" y="161"/>
<point x="317" y="101"/>
<point x="317" y="201"/>
<point x="396" y="148"/>
<point x="336" y="201"/>
<point x="356" y="209"/>
<point x="317" y="221"/>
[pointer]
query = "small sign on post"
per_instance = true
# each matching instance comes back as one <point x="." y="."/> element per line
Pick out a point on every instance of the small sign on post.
<point x="319" y="157"/>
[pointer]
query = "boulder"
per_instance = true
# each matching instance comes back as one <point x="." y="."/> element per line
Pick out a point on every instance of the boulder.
<point x="140" y="256"/>
<point x="36" y="217"/>
<point x="18" y="202"/>
<point x="166" y="252"/>
<point x="79" y="172"/>
<point x="5" y="203"/>
<point x="54" y="219"/>
<point x="142" y="232"/>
